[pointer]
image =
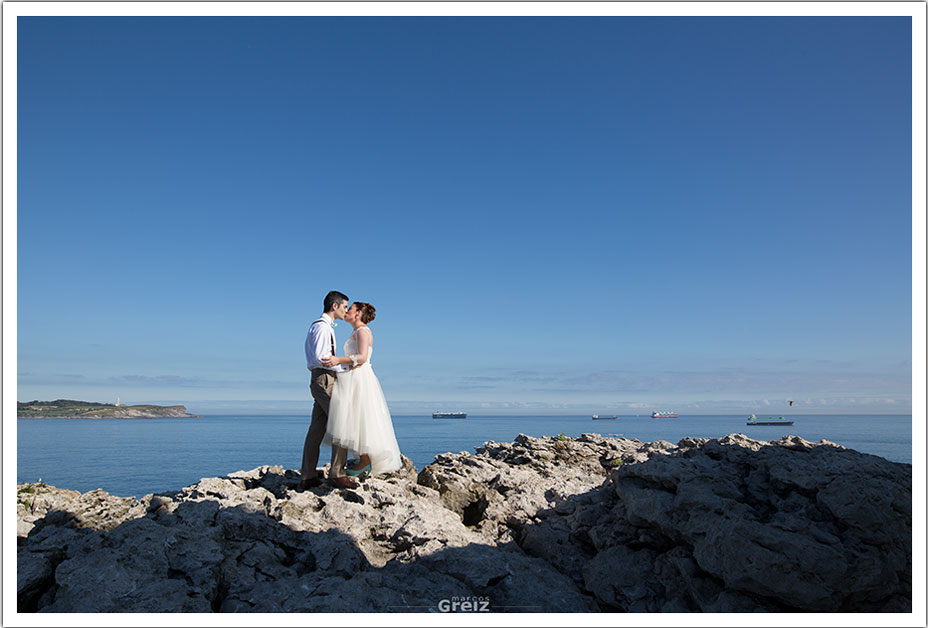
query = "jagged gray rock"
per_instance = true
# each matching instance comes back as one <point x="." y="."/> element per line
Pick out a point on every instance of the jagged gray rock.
<point x="540" y="524"/>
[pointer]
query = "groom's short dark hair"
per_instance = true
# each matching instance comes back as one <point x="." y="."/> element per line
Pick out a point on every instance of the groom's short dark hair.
<point x="332" y="298"/>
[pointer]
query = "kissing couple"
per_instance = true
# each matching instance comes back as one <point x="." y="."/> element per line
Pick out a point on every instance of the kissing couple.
<point x="349" y="409"/>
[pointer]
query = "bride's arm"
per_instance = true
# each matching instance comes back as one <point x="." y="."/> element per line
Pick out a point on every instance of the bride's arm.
<point x="364" y="345"/>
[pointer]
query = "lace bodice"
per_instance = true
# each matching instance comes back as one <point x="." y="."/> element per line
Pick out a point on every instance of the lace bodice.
<point x="352" y="348"/>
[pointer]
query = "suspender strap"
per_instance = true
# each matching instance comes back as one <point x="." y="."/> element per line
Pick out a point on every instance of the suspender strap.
<point x="325" y="322"/>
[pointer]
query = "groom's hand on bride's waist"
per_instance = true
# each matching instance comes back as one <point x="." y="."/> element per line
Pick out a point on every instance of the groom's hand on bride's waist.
<point x="330" y="361"/>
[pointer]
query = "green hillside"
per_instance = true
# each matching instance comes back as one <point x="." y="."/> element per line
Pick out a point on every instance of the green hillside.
<point x="72" y="409"/>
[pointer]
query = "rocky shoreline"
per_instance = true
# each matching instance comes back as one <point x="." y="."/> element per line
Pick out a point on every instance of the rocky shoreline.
<point x="550" y="524"/>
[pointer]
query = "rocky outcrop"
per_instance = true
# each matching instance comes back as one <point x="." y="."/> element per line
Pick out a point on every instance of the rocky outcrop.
<point x="740" y="525"/>
<point x="141" y="412"/>
<point x="539" y="525"/>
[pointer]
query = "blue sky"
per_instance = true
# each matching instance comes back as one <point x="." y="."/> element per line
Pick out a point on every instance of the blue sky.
<point x="550" y="214"/>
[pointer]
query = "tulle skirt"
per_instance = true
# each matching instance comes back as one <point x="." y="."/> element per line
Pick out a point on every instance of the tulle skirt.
<point x="360" y="421"/>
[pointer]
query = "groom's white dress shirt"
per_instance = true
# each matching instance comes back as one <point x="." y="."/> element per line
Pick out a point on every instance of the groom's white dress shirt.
<point x="320" y="343"/>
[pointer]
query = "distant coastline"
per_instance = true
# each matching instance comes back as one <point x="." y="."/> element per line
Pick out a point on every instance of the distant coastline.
<point x="71" y="409"/>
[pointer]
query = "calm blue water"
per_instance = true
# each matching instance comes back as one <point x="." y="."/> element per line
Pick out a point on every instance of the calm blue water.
<point x="135" y="457"/>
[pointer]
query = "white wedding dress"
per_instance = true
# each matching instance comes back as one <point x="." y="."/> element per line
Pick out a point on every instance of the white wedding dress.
<point x="359" y="419"/>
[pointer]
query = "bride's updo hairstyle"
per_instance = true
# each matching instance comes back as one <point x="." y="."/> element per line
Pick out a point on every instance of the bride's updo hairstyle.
<point x="368" y="312"/>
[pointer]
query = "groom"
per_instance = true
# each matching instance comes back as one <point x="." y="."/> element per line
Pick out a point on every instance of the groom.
<point x="320" y="343"/>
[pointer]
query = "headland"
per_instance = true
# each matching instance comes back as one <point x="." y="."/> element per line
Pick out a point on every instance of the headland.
<point x="70" y="409"/>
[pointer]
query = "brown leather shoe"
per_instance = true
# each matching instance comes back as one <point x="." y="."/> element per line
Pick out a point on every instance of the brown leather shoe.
<point x="343" y="482"/>
<point x="307" y="484"/>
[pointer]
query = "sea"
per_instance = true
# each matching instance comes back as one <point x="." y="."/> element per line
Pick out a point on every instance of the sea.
<point x="134" y="457"/>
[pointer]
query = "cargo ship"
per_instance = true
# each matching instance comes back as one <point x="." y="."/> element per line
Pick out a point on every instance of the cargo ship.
<point x="768" y="420"/>
<point x="604" y="417"/>
<point x="664" y="415"/>
<point x="449" y="415"/>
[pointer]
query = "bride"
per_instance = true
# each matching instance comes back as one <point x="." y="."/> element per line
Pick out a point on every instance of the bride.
<point x="358" y="416"/>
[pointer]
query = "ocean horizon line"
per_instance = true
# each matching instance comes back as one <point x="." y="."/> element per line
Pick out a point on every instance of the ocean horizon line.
<point x="252" y="412"/>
